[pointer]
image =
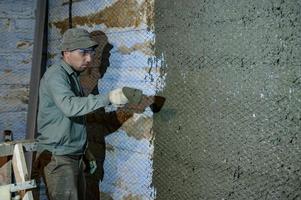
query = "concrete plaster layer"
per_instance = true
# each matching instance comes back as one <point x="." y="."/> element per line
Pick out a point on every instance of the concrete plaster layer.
<point x="231" y="125"/>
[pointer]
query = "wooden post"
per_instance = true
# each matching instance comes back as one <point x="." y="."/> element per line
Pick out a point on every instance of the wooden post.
<point x="20" y="170"/>
<point x="39" y="57"/>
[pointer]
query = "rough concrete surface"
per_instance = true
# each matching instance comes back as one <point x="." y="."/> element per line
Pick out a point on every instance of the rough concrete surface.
<point x="231" y="125"/>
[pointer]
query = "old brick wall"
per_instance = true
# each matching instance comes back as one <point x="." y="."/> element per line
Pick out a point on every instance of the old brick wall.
<point x="231" y="125"/>
<point x="128" y="27"/>
<point x="17" y="19"/>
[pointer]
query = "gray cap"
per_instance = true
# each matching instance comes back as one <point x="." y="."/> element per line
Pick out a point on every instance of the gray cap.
<point x="77" y="38"/>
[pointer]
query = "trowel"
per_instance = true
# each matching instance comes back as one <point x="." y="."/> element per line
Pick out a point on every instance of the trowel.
<point x="154" y="102"/>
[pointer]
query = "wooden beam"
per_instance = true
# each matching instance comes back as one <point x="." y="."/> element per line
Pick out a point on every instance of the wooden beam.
<point x="23" y="186"/>
<point x="20" y="170"/>
<point x="19" y="164"/>
<point x="5" y="170"/>
<point x="39" y="56"/>
<point x="28" y="196"/>
<point x="7" y="148"/>
<point x="5" y="192"/>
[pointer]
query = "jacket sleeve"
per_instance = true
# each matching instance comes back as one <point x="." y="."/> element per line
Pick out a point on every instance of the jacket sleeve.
<point x="65" y="99"/>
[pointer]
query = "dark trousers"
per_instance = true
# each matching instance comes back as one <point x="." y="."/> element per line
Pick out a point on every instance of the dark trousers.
<point x="63" y="176"/>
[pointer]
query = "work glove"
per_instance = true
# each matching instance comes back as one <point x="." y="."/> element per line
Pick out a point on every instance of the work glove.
<point x="133" y="100"/>
<point x="90" y="162"/>
<point x="92" y="166"/>
<point x="122" y="96"/>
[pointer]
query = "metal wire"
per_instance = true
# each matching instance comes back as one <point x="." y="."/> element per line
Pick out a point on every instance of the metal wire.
<point x="131" y="59"/>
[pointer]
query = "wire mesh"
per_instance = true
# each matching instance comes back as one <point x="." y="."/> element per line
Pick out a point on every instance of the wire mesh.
<point x="230" y="129"/>
<point x="125" y="57"/>
<point x="16" y="38"/>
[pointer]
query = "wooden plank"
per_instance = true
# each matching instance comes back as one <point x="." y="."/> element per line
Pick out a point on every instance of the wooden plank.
<point x="23" y="186"/>
<point x="36" y="71"/>
<point x="28" y="196"/>
<point x="5" y="192"/>
<point x="39" y="57"/>
<point x="5" y="170"/>
<point x="7" y="148"/>
<point x="19" y="166"/>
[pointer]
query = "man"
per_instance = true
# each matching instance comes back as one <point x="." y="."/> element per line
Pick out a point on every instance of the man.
<point x="62" y="139"/>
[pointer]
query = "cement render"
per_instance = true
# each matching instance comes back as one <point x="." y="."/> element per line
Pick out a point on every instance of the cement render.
<point x="231" y="125"/>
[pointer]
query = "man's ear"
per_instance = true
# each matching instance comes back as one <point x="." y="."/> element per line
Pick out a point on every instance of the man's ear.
<point x="66" y="54"/>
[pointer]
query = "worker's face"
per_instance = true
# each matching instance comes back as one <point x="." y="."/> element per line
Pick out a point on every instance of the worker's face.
<point x="79" y="59"/>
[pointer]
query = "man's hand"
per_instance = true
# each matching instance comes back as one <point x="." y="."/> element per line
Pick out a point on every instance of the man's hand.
<point x="154" y="102"/>
<point x="122" y="96"/>
<point x="92" y="166"/>
<point x="90" y="162"/>
<point x="132" y="100"/>
<point x="117" y="97"/>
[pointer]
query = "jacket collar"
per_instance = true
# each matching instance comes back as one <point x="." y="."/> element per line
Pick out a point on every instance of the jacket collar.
<point x="68" y="68"/>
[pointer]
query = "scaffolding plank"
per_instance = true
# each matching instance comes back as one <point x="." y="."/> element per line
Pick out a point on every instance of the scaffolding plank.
<point x="28" y="196"/>
<point x="7" y="148"/>
<point x="19" y="164"/>
<point x="5" y="192"/>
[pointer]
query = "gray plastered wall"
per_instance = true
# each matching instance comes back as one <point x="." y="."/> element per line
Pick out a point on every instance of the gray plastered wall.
<point x="231" y="125"/>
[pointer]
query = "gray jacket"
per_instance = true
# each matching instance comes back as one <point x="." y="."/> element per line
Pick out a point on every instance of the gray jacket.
<point x="62" y="109"/>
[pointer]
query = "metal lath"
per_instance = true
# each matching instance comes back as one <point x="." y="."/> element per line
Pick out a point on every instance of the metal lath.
<point x="230" y="129"/>
<point x="126" y="58"/>
<point x="17" y="20"/>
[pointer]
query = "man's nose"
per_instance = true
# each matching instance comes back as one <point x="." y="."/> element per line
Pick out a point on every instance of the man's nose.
<point x="88" y="57"/>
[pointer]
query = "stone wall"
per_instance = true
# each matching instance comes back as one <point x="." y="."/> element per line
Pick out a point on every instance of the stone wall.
<point x="128" y="27"/>
<point x="17" y="21"/>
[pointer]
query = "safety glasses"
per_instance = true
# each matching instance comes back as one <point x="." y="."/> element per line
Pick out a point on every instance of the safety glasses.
<point x="88" y="51"/>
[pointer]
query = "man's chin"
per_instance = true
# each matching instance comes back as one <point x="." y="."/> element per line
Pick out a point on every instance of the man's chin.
<point x="82" y="69"/>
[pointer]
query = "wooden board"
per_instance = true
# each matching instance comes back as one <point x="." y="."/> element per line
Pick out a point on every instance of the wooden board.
<point x="5" y="170"/>
<point x="20" y="170"/>
<point x="5" y="192"/>
<point x="19" y="164"/>
<point x="7" y="148"/>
